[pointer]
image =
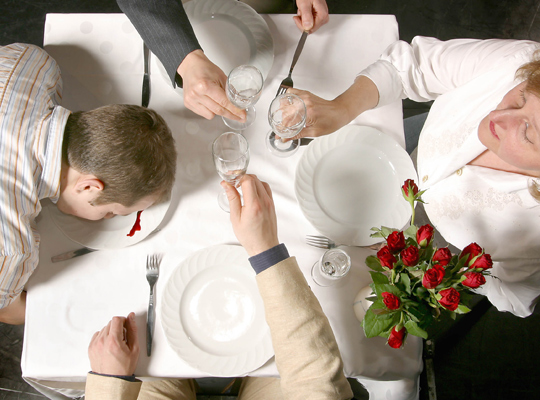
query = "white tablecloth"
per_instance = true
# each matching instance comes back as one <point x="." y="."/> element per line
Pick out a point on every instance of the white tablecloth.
<point x="101" y="60"/>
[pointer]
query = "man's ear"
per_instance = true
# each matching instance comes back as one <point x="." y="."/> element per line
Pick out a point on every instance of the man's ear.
<point x="89" y="185"/>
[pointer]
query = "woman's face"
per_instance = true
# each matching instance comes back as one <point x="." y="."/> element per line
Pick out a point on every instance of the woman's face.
<point x="512" y="130"/>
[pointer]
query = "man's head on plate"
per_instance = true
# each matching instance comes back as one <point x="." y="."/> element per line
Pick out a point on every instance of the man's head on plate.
<point x="116" y="160"/>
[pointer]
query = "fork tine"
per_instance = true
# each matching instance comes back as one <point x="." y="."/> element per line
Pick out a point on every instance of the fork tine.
<point x="318" y="237"/>
<point x="319" y="245"/>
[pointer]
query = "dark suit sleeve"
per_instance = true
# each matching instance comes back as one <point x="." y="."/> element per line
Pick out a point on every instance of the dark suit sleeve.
<point x="165" y="28"/>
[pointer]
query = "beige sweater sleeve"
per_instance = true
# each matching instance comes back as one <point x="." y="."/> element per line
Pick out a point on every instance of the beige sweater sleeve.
<point x="307" y="355"/>
<point x="108" y="388"/>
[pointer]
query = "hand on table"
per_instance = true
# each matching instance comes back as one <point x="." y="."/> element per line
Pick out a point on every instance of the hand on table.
<point x="115" y="349"/>
<point x="312" y="14"/>
<point x="204" y="88"/>
<point x="254" y="223"/>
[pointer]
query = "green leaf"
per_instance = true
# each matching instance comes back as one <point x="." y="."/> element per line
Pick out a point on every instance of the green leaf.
<point x="406" y="281"/>
<point x="380" y="288"/>
<point x="410" y="232"/>
<point x="373" y="325"/>
<point x="374" y="263"/>
<point x="462" y="309"/>
<point x="427" y="253"/>
<point x="415" y="330"/>
<point x="376" y="234"/>
<point x="379" y="278"/>
<point x="387" y="231"/>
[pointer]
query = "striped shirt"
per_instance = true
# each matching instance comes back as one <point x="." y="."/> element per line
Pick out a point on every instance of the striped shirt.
<point x="31" y="132"/>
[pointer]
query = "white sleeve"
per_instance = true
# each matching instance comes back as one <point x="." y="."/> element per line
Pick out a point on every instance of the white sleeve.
<point x="513" y="286"/>
<point x="428" y="67"/>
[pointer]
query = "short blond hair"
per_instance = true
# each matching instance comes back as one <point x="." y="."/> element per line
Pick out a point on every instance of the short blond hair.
<point x="530" y="73"/>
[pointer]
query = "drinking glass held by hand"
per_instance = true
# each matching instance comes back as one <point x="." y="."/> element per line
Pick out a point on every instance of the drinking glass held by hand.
<point x="243" y="88"/>
<point x="333" y="265"/>
<point x="287" y="117"/>
<point x="231" y="158"/>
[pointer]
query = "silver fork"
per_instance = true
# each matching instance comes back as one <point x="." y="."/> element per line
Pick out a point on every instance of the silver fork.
<point x="322" y="242"/>
<point x="288" y="82"/>
<point x="152" y="274"/>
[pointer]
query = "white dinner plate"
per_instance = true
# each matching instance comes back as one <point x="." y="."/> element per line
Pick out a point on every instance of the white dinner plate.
<point x="231" y="33"/>
<point x="212" y="313"/>
<point x="350" y="181"/>
<point x="107" y="233"/>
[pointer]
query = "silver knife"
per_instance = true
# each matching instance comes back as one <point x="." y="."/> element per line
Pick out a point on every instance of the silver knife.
<point x="298" y="50"/>
<point x="68" y="255"/>
<point x="146" y="77"/>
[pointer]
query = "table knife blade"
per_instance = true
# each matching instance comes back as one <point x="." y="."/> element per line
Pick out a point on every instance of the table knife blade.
<point x="146" y="77"/>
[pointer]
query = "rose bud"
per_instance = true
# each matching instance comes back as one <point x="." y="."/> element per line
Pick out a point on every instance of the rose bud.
<point x="474" y="279"/>
<point x="409" y="188"/>
<point x="409" y="256"/>
<point x="433" y="277"/>
<point x="470" y="252"/>
<point x="484" y="262"/>
<point x="450" y="298"/>
<point x="395" y="340"/>
<point x="424" y="235"/>
<point x="386" y="257"/>
<point x="391" y="301"/>
<point x="396" y="241"/>
<point x="442" y="256"/>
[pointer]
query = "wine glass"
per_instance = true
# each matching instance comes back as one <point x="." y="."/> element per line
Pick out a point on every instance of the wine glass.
<point x="287" y="117"/>
<point x="333" y="265"/>
<point x="231" y="157"/>
<point x="243" y="88"/>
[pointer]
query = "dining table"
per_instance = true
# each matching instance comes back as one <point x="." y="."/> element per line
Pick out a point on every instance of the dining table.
<point x="102" y="62"/>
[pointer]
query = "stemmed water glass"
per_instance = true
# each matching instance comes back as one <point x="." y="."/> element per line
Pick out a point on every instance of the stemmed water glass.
<point x="243" y="88"/>
<point x="231" y="157"/>
<point x="333" y="265"/>
<point x="287" y="117"/>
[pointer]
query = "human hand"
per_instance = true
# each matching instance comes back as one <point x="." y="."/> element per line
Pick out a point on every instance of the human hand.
<point x="254" y="223"/>
<point x="115" y="349"/>
<point x="312" y="14"/>
<point x="204" y="88"/>
<point x="323" y="116"/>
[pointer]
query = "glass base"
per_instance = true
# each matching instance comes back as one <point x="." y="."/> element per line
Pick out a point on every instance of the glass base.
<point x="320" y="278"/>
<point x="223" y="200"/>
<point x="240" y="126"/>
<point x="279" y="148"/>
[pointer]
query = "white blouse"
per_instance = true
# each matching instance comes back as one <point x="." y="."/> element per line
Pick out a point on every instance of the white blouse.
<point x="467" y="79"/>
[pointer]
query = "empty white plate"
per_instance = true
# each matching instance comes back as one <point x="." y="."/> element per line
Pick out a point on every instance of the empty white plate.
<point x="350" y="181"/>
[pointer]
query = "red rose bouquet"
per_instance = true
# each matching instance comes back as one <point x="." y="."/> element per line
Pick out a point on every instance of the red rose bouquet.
<point x="414" y="282"/>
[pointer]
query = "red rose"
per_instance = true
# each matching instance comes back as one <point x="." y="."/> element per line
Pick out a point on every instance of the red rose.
<point x="470" y="252"/>
<point x="396" y="241"/>
<point x="424" y="235"/>
<point x="409" y="256"/>
<point x="391" y="301"/>
<point x="433" y="277"/>
<point x="386" y="257"/>
<point x="474" y="280"/>
<point x="395" y="340"/>
<point x="484" y="262"/>
<point x="409" y="184"/>
<point x="450" y="298"/>
<point x="442" y="256"/>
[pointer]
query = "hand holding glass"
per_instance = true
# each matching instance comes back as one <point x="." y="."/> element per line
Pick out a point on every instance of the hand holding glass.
<point x="333" y="265"/>
<point x="244" y="86"/>
<point x="231" y="158"/>
<point x="287" y="117"/>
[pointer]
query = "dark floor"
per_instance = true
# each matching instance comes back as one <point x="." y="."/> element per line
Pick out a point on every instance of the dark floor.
<point x="494" y="356"/>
